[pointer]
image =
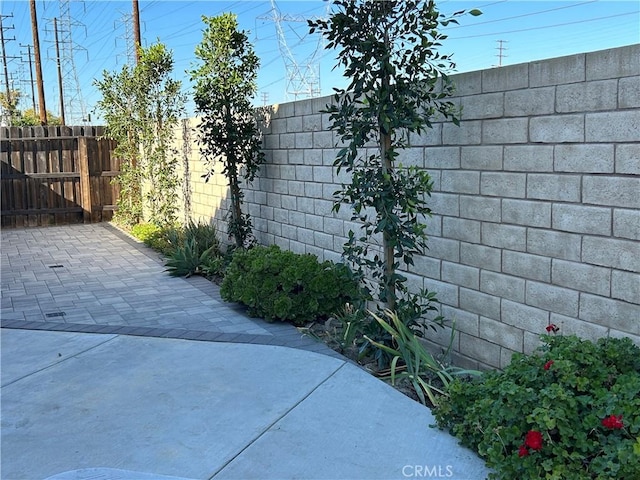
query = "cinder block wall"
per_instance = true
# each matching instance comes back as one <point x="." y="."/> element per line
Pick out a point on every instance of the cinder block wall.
<point x="536" y="205"/>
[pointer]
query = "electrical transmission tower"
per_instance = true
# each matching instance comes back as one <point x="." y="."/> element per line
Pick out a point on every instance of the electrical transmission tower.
<point x="303" y="78"/>
<point x="74" y="106"/>
<point x="126" y="21"/>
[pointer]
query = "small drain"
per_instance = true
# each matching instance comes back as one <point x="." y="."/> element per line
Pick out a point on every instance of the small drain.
<point x="54" y="314"/>
<point x="56" y="266"/>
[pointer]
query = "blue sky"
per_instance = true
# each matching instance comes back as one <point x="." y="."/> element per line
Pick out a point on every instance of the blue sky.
<point x="530" y="30"/>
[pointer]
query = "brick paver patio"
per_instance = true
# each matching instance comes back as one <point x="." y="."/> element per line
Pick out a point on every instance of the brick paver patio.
<point x="96" y="279"/>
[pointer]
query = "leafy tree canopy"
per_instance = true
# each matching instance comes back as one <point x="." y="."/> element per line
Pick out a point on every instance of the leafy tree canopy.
<point x="225" y="83"/>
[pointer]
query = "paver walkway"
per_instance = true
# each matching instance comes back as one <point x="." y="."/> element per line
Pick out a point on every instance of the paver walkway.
<point x="97" y="279"/>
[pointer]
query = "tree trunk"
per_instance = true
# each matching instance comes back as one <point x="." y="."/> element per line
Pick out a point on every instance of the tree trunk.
<point x="234" y="188"/>
<point x="387" y="170"/>
<point x="236" y="211"/>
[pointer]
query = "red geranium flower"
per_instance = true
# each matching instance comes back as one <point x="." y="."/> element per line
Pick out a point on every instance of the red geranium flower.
<point x="613" y="422"/>
<point x="547" y="365"/>
<point x="523" y="451"/>
<point x="533" y="440"/>
<point x="552" y="327"/>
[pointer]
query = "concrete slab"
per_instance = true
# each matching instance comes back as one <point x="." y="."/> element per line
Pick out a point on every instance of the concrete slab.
<point x="357" y="427"/>
<point x="25" y="353"/>
<point x="145" y="408"/>
<point x="171" y="407"/>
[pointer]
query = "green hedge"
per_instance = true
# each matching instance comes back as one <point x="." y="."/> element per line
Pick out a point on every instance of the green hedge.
<point x="281" y="285"/>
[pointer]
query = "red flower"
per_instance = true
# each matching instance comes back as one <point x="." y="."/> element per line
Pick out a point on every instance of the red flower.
<point x="552" y="327"/>
<point x="533" y="440"/>
<point x="547" y="365"/>
<point x="613" y="422"/>
<point x="523" y="451"/>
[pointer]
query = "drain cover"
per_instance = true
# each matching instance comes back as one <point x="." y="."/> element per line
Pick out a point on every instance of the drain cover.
<point x="56" y="266"/>
<point x="54" y="314"/>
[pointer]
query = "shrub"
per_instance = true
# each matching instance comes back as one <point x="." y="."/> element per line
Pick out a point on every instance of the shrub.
<point x="281" y="285"/>
<point x="154" y="236"/>
<point x="204" y="235"/>
<point x="570" y="411"/>
<point x="193" y="250"/>
<point x="144" y="231"/>
<point x="186" y="260"/>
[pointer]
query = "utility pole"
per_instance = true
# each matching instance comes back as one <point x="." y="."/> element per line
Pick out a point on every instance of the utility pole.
<point x="33" y="93"/>
<point x="136" y="30"/>
<point x="55" y="29"/>
<point x="4" y="62"/>
<point x="265" y="98"/>
<point x="501" y="48"/>
<point x="36" y="50"/>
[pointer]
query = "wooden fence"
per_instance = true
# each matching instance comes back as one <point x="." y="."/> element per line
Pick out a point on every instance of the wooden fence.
<point x="56" y="175"/>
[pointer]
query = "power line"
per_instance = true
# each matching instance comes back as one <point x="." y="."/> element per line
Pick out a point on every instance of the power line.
<point x="543" y="27"/>
<point x="522" y="15"/>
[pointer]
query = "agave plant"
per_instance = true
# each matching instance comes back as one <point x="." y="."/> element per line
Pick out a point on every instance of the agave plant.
<point x="186" y="260"/>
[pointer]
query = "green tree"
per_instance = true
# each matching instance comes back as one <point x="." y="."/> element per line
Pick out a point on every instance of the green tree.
<point x="26" y="118"/>
<point x="30" y="118"/>
<point x="397" y="83"/>
<point x="119" y="109"/>
<point x="225" y="83"/>
<point x="141" y="106"/>
<point x="9" y="103"/>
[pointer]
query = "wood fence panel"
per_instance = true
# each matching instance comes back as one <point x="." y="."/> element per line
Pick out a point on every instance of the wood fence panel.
<point x="106" y="171"/>
<point x="69" y="188"/>
<point x="41" y="190"/>
<point x="98" y="161"/>
<point x="17" y="187"/>
<point x="6" y="193"/>
<point x="56" y="194"/>
<point x="42" y="179"/>
<point x="31" y="199"/>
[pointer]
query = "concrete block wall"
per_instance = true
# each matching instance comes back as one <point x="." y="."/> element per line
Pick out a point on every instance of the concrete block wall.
<point x="536" y="205"/>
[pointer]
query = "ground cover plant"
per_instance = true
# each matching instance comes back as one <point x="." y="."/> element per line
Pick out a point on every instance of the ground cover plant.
<point x="569" y="411"/>
<point x="281" y="285"/>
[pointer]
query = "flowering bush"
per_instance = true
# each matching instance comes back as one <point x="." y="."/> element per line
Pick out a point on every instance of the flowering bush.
<point x="570" y="411"/>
